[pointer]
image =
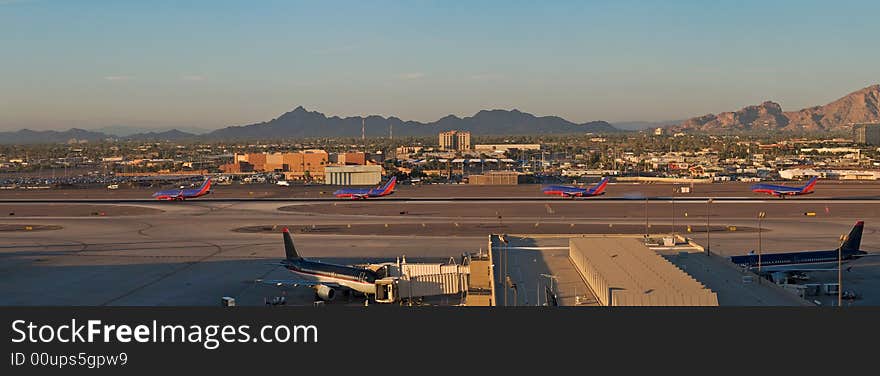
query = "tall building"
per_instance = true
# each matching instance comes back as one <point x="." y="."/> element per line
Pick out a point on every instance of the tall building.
<point x="868" y="134"/>
<point x="455" y="140"/>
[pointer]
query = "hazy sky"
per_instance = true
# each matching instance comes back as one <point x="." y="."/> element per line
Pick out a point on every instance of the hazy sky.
<point x="90" y="63"/>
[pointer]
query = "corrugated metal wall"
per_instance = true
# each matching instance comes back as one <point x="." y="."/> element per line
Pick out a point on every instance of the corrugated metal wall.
<point x="594" y="279"/>
<point x="432" y="284"/>
<point x="640" y="271"/>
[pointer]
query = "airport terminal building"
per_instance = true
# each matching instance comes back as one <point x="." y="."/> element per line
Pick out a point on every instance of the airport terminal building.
<point x="353" y="175"/>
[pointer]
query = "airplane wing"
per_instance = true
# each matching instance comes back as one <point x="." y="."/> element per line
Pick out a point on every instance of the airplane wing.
<point x="295" y="283"/>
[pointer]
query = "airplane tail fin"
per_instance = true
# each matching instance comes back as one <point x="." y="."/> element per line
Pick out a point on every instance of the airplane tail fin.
<point x="854" y="239"/>
<point x="389" y="186"/>
<point x="289" y="249"/>
<point x="601" y="186"/>
<point x="810" y="185"/>
<point x="206" y="186"/>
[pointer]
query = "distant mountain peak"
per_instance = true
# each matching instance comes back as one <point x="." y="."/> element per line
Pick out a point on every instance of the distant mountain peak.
<point x="860" y="106"/>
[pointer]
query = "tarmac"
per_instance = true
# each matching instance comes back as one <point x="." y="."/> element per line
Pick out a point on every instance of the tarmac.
<point x="195" y="252"/>
<point x="824" y="189"/>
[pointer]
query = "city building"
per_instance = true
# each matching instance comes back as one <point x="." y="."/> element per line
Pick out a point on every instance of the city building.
<point x="495" y="178"/>
<point x="491" y="148"/>
<point x="455" y="140"/>
<point x="352" y="158"/>
<point x="408" y="149"/>
<point x="866" y="134"/>
<point x="237" y="167"/>
<point x="305" y="165"/>
<point x="353" y="175"/>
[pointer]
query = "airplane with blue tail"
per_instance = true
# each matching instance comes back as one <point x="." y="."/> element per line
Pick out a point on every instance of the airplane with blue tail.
<point x="783" y="264"/>
<point x="364" y="193"/>
<point x="572" y="191"/>
<point x="324" y="278"/>
<point x="183" y="194"/>
<point x="782" y="191"/>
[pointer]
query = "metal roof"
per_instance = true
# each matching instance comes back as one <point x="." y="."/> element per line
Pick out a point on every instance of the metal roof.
<point x="623" y="271"/>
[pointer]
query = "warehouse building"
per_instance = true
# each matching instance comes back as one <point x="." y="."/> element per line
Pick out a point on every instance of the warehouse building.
<point x="622" y="271"/>
<point x="305" y="165"/>
<point x="353" y="175"/>
<point x="495" y="178"/>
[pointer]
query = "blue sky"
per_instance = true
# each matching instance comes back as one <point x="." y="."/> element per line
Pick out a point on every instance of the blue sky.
<point x="90" y="63"/>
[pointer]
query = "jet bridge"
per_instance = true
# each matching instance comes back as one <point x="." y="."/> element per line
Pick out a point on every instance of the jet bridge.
<point x="407" y="281"/>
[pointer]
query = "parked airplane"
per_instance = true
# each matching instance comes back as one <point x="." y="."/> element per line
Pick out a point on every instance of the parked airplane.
<point x="782" y="191"/>
<point x="183" y="194"/>
<point x="363" y="193"/>
<point x="783" y="264"/>
<point x="572" y="191"/>
<point x="325" y="278"/>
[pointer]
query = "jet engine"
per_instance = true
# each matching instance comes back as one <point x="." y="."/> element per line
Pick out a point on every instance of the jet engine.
<point x="325" y="293"/>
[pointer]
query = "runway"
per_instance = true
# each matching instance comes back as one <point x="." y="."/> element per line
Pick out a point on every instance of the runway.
<point x="865" y="200"/>
<point x="189" y="253"/>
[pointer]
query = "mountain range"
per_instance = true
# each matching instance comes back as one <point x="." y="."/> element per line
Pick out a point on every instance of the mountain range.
<point x="301" y="123"/>
<point x="862" y="106"/>
<point x="304" y="123"/>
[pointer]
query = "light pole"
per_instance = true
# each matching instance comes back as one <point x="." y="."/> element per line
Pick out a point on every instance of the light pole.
<point x="761" y="216"/>
<point x="504" y="254"/>
<point x="512" y="285"/>
<point x="537" y="291"/>
<point x="674" y="188"/>
<point x="840" y="271"/>
<point x="550" y="277"/>
<point x="646" y="216"/>
<point x="708" y="238"/>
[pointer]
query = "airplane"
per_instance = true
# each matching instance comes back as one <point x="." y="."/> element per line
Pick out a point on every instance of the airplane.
<point x="572" y="191"/>
<point x="364" y="193"/>
<point x="780" y="265"/>
<point x="182" y="194"/>
<point x="325" y="278"/>
<point x="782" y="191"/>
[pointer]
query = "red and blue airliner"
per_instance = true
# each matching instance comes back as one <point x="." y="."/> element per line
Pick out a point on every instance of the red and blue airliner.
<point x="364" y="193"/>
<point x="183" y="194"/>
<point x="572" y="191"/>
<point x="782" y="191"/>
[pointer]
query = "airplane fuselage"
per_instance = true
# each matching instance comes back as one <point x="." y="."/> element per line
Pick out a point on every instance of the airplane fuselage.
<point x="360" y="194"/>
<point x="573" y="192"/>
<point x="570" y="192"/>
<point x="783" y="261"/>
<point x="364" y="193"/>
<point x="357" y="279"/>
<point x="179" y="194"/>
<point x="183" y="194"/>
<point x="781" y="190"/>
